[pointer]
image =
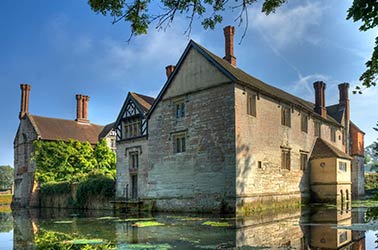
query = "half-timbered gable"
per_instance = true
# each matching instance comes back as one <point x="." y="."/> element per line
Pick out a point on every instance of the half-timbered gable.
<point x="131" y="122"/>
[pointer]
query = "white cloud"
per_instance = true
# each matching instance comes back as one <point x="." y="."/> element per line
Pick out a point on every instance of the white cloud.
<point x="303" y="86"/>
<point x="288" y="25"/>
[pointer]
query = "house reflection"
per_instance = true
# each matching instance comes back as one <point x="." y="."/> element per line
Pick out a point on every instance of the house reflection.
<point x="312" y="229"/>
<point x="304" y="229"/>
<point x="326" y="230"/>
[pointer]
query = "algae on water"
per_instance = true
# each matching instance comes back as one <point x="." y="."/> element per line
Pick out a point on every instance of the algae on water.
<point x="147" y="224"/>
<point x="216" y="224"/>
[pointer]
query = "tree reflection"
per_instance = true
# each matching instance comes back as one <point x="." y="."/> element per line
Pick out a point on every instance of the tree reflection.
<point x="6" y="222"/>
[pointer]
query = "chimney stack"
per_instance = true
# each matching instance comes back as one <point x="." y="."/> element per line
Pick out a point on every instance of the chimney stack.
<point x="344" y="99"/>
<point x="320" y="107"/>
<point x="229" y="32"/>
<point x="169" y="70"/>
<point x="25" y="91"/>
<point x="82" y="108"/>
<point x="344" y="103"/>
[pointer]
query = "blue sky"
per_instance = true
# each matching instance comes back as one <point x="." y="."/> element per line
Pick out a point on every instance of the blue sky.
<point x="62" y="48"/>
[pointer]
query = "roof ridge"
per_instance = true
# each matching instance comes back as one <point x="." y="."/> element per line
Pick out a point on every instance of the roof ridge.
<point x="62" y="119"/>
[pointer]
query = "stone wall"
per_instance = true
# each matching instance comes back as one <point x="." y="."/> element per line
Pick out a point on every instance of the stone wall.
<point x="23" y="166"/>
<point x="203" y="177"/>
<point x="261" y="139"/>
<point x="124" y="148"/>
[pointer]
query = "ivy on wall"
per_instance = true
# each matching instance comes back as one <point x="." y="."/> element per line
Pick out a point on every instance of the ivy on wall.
<point x="72" y="161"/>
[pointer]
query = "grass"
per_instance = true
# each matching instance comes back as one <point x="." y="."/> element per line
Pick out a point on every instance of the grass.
<point x="5" y="199"/>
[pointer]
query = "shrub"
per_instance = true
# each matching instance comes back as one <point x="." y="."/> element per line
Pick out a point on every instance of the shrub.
<point x="98" y="185"/>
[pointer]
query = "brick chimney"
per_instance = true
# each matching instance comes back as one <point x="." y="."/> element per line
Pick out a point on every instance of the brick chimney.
<point x="79" y="107"/>
<point x="344" y="99"/>
<point x="169" y="70"/>
<point x="82" y="108"/>
<point x="229" y="32"/>
<point x="25" y="91"/>
<point x="320" y="107"/>
<point x="344" y="103"/>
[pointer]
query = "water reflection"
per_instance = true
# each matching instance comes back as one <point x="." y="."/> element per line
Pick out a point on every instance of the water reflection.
<point x="314" y="228"/>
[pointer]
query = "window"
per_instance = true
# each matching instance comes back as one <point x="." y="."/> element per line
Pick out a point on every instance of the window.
<point x="303" y="161"/>
<point x="304" y="123"/>
<point x="179" y="143"/>
<point x="285" y="116"/>
<point x="285" y="159"/>
<point x="333" y="134"/>
<point x="342" y="166"/>
<point x="112" y="143"/>
<point x="134" y="160"/>
<point x="259" y="164"/>
<point x="132" y="128"/>
<point x="317" y="129"/>
<point x="180" y="109"/>
<point x="251" y="104"/>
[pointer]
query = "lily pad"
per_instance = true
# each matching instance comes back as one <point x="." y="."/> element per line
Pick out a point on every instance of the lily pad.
<point x="147" y="224"/>
<point x="134" y="219"/>
<point x="216" y="224"/>
<point x="107" y="218"/>
<point x="88" y="241"/>
<point x="144" y="246"/>
<point x="63" y="222"/>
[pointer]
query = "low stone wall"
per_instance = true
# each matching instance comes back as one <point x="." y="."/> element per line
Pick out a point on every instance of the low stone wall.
<point x="68" y="200"/>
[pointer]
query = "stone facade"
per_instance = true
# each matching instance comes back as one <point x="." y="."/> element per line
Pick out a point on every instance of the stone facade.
<point x="203" y="177"/>
<point x="246" y="144"/>
<point x="24" y="167"/>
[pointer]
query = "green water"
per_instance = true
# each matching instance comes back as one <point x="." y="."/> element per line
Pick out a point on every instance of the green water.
<point x="306" y="228"/>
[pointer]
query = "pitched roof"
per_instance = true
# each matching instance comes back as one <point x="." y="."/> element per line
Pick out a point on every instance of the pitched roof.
<point x="336" y="111"/>
<point x="239" y="76"/>
<point x="356" y="127"/>
<point x="53" y="129"/>
<point x="144" y="101"/>
<point x="105" y="131"/>
<point x="323" y="149"/>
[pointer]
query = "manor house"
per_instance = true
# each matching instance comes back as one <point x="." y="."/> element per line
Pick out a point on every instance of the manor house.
<point x="33" y="127"/>
<point x="218" y="139"/>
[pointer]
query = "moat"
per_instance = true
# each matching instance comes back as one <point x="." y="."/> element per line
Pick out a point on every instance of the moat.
<point x="305" y="228"/>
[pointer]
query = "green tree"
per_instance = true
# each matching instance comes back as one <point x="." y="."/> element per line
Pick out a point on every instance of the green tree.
<point x="6" y="177"/>
<point x="211" y="12"/>
<point x="105" y="159"/>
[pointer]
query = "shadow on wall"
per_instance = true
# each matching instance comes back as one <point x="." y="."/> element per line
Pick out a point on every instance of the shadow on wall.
<point x="265" y="184"/>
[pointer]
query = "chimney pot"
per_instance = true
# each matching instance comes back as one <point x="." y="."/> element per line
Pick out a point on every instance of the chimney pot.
<point x="169" y="70"/>
<point x="320" y="107"/>
<point x="25" y="92"/>
<point x="229" y="33"/>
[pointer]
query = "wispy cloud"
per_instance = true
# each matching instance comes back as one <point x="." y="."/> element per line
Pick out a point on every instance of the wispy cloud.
<point x="288" y="26"/>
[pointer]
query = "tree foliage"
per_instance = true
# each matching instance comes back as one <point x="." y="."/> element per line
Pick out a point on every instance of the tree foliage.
<point x="6" y="177"/>
<point x="71" y="161"/>
<point x="366" y="11"/>
<point x="137" y="13"/>
<point x="211" y="12"/>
